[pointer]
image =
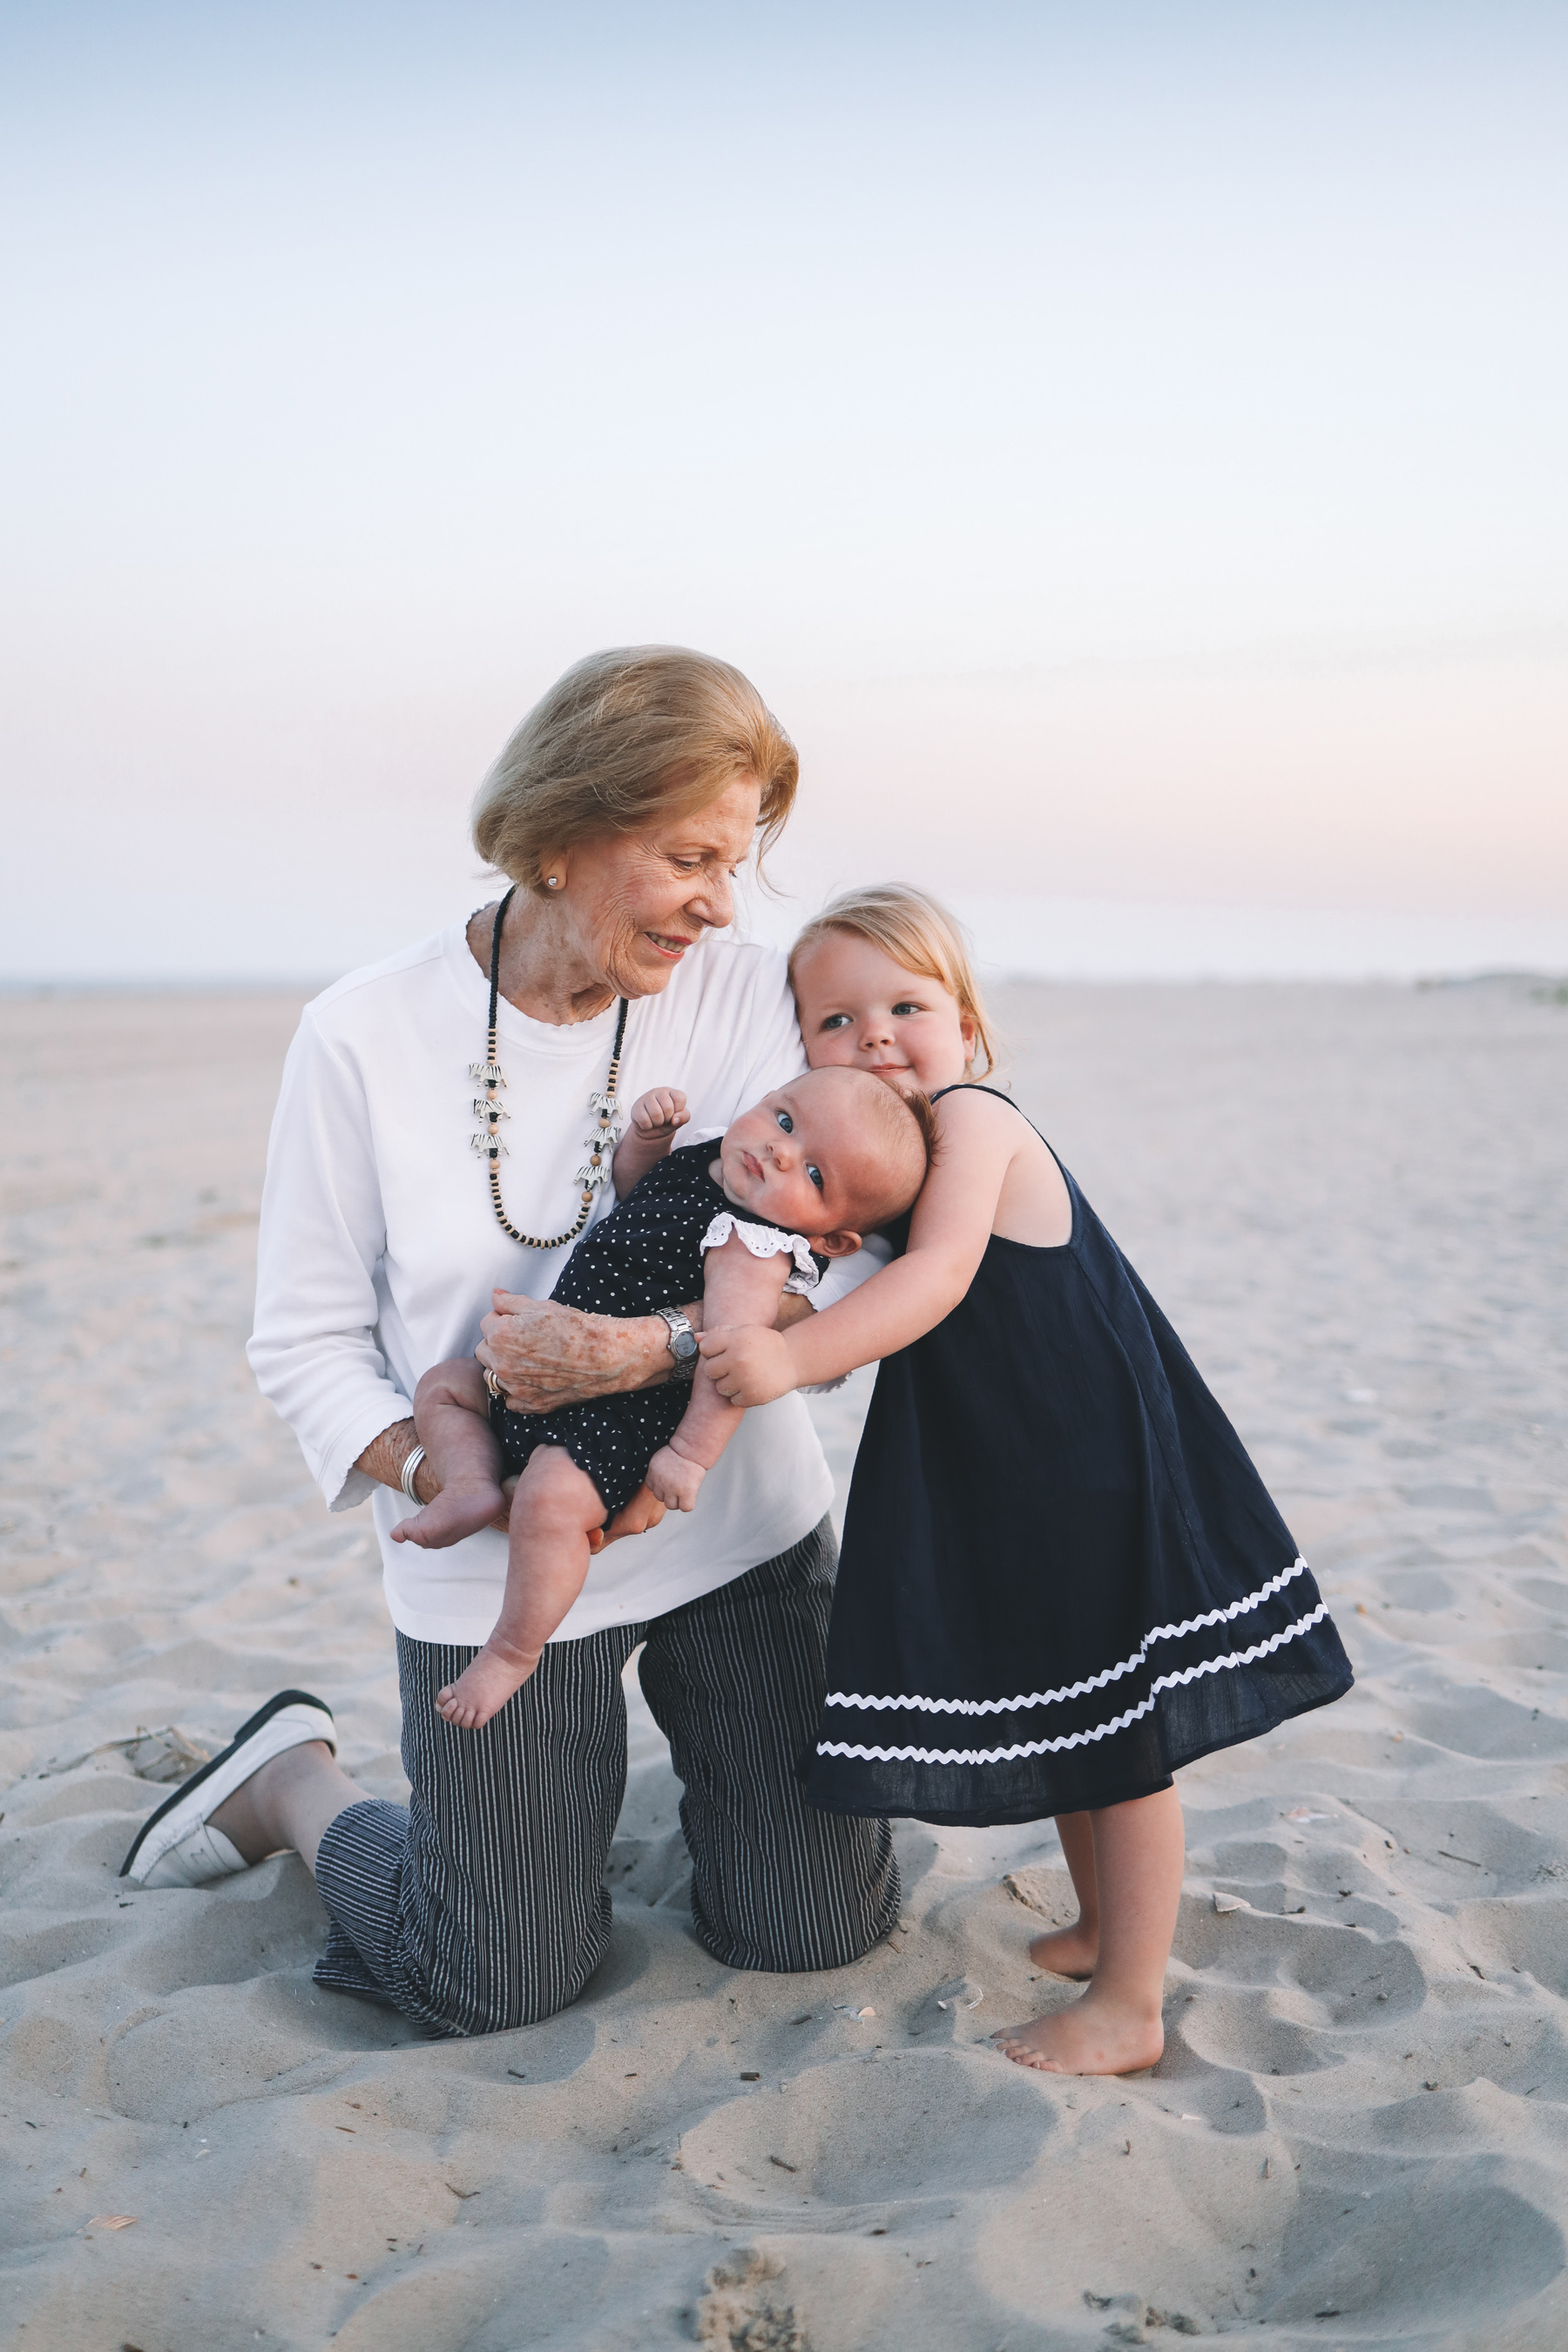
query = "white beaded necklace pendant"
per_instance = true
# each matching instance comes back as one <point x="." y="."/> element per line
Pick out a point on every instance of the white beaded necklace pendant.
<point x="600" y="1144"/>
<point x="487" y="1110"/>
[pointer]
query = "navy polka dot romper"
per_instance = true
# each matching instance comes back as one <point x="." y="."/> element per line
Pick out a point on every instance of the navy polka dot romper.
<point x="647" y="1254"/>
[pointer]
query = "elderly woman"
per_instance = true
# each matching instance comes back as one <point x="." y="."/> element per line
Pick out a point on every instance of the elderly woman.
<point x="622" y="809"/>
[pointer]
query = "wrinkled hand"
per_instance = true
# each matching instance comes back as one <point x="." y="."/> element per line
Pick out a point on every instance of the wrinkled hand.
<point x="545" y="1355"/>
<point x="748" y="1366"/>
<point x="674" y="1479"/>
<point x="659" y="1116"/>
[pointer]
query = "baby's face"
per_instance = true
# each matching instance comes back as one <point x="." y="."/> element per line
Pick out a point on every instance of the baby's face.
<point x="800" y="1158"/>
<point x="859" y="1008"/>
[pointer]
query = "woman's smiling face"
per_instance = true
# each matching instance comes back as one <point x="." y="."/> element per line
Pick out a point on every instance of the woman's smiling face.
<point x="635" y="902"/>
<point x="858" y="1007"/>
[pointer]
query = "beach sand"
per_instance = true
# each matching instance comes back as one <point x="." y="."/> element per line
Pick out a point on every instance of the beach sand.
<point x="1351" y="1203"/>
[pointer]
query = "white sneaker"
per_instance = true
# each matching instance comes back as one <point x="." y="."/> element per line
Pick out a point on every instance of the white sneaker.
<point x="176" y="1845"/>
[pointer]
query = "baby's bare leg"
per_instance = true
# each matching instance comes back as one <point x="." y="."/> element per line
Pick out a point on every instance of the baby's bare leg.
<point x="555" y="1509"/>
<point x="452" y="1415"/>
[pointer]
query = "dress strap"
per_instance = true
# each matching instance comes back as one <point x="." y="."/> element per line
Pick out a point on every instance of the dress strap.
<point x="973" y="1087"/>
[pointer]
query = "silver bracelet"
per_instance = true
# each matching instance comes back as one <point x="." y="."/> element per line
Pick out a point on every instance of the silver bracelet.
<point x="408" y="1473"/>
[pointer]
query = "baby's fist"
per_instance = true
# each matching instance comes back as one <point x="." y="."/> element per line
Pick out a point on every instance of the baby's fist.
<point x="660" y="1112"/>
<point x="674" y="1479"/>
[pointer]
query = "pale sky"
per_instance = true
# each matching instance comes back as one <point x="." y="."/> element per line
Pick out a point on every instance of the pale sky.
<point x="1123" y="443"/>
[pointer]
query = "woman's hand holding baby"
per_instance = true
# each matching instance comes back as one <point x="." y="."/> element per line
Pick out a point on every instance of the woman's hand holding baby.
<point x="748" y="1365"/>
<point x="545" y="1356"/>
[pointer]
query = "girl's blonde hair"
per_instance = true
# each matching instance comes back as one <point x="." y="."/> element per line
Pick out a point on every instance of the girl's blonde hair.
<point x="639" y="732"/>
<point x="918" y="933"/>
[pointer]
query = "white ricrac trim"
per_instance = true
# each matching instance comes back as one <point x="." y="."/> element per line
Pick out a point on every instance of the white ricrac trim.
<point x="1073" y="1739"/>
<point x="767" y="1241"/>
<point x="1095" y="1682"/>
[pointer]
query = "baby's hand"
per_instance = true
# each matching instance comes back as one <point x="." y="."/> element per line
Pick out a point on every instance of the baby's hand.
<point x="749" y="1364"/>
<point x="674" y="1479"/>
<point x="661" y="1114"/>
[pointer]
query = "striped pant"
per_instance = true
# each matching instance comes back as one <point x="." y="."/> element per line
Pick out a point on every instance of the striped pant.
<point x="483" y="1906"/>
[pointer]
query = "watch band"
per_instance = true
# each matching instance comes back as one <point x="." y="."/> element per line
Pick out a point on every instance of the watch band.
<point x="686" y="1356"/>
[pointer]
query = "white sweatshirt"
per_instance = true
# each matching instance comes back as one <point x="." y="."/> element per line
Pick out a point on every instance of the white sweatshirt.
<point x="379" y="1247"/>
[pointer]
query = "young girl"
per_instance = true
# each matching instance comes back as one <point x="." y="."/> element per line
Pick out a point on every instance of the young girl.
<point x="1061" y="1577"/>
<point x="793" y="1181"/>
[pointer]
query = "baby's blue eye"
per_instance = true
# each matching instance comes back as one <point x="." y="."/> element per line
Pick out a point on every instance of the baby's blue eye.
<point x="785" y="1121"/>
<point x="906" y="1008"/>
<point x="836" y="1021"/>
<point x="814" y="1174"/>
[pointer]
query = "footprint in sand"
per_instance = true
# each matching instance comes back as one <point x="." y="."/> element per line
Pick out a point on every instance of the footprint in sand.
<point x="865" y="2132"/>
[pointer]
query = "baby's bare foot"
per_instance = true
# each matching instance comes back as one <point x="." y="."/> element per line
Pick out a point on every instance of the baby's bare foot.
<point x="456" y="1512"/>
<point x="1096" y="2036"/>
<point x="482" y="1689"/>
<point x="635" y="1517"/>
<point x="1067" y="1952"/>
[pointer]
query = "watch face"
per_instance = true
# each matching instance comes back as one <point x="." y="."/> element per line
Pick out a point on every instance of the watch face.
<point x="684" y="1344"/>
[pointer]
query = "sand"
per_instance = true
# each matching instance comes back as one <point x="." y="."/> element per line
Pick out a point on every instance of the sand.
<point x="1350" y="1202"/>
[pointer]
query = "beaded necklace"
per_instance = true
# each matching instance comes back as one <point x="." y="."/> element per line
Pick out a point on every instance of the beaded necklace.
<point x="595" y="1171"/>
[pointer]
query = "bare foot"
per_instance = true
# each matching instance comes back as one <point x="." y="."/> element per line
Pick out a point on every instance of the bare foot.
<point x="456" y="1512"/>
<point x="482" y="1689"/>
<point x="674" y="1480"/>
<point x="635" y="1517"/>
<point x="1096" y="2035"/>
<point x="1067" y="1952"/>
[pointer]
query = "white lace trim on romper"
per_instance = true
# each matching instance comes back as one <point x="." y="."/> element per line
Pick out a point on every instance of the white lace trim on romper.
<point x="767" y="1241"/>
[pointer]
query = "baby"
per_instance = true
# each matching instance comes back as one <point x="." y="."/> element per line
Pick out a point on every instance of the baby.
<point x="794" y="1182"/>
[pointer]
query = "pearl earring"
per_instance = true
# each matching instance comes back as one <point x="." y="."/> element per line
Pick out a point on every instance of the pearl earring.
<point x="552" y="881"/>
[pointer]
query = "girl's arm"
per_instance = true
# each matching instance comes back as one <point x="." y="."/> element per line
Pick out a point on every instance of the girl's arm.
<point x="977" y="1140"/>
<point x="737" y="1289"/>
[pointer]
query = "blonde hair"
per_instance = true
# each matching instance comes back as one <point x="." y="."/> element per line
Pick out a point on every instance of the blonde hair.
<point x="918" y="932"/>
<point x="638" y="733"/>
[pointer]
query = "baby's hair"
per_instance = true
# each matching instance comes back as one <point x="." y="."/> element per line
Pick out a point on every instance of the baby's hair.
<point x="918" y="933"/>
<point x="906" y="1134"/>
<point x="922" y="1110"/>
<point x="895" y="1112"/>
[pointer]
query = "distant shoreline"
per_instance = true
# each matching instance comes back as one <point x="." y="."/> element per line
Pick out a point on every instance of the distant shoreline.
<point x="1554" y="983"/>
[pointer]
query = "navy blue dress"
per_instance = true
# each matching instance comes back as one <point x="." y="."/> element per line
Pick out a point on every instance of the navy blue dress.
<point x="1061" y="1579"/>
<point x="647" y="1254"/>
